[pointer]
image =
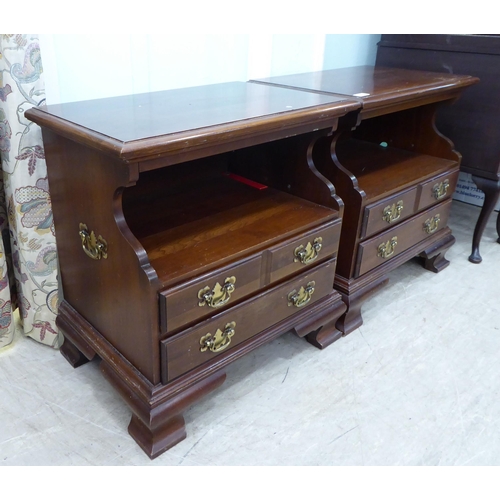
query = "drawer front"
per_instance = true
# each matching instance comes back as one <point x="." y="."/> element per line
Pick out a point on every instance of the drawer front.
<point x="296" y="255"/>
<point x="385" y="214"/>
<point x="387" y="245"/>
<point x="205" y="295"/>
<point x="438" y="189"/>
<point x="221" y="333"/>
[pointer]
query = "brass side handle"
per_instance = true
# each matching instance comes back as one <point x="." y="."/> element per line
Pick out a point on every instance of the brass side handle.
<point x="431" y="225"/>
<point x="220" y="340"/>
<point x="440" y="190"/>
<point x="308" y="253"/>
<point x="392" y="212"/>
<point x="96" y="247"/>
<point x="302" y="297"/>
<point x="219" y="296"/>
<point x="387" y="249"/>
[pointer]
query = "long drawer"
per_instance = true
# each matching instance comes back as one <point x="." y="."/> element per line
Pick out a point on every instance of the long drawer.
<point x="377" y="250"/>
<point x="199" y="298"/>
<point x="224" y="331"/>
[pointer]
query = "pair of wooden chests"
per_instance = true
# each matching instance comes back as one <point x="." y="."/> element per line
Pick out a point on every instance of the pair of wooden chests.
<point x="195" y="225"/>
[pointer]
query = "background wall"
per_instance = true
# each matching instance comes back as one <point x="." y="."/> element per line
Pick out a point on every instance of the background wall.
<point x="80" y="67"/>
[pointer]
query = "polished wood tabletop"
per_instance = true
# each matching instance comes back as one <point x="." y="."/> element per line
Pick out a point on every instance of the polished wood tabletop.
<point x="372" y="84"/>
<point x="188" y="116"/>
<point x="134" y="117"/>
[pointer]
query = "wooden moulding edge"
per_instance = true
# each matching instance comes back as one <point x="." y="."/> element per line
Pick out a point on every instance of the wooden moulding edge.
<point x="77" y="133"/>
<point x="283" y="124"/>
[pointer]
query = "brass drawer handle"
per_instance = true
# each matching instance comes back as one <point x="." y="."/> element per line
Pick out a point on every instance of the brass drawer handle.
<point x="392" y="213"/>
<point x="431" y="225"/>
<point x="302" y="297"/>
<point x="440" y="190"/>
<point x="95" y="247"/>
<point x="387" y="249"/>
<point x="309" y="253"/>
<point x="219" y="296"/>
<point x="220" y="340"/>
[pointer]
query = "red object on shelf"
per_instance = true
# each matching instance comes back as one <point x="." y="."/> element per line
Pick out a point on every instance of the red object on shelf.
<point x="244" y="180"/>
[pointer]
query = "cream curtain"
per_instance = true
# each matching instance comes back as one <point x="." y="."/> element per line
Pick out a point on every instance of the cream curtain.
<point x="28" y="256"/>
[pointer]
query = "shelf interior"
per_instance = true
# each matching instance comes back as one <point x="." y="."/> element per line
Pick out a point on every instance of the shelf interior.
<point x="382" y="170"/>
<point x="191" y="220"/>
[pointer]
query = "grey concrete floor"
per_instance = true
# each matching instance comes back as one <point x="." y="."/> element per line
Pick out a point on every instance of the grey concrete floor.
<point x="417" y="384"/>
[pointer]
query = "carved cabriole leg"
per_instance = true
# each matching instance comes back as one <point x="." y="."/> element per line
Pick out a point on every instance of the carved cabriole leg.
<point x="491" y="190"/>
<point x="354" y="296"/>
<point x="498" y="227"/>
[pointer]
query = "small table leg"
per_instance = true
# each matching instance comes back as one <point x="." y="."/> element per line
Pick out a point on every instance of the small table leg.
<point x="491" y="190"/>
<point x="498" y="227"/>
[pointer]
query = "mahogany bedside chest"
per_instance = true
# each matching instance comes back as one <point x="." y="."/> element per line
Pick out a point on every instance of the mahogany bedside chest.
<point x="192" y="227"/>
<point x="474" y="122"/>
<point x="392" y="168"/>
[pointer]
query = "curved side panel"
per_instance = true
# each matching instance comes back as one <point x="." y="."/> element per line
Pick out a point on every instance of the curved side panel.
<point x="347" y="188"/>
<point x="289" y="165"/>
<point x="116" y="294"/>
<point x="139" y="250"/>
<point x="412" y="129"/>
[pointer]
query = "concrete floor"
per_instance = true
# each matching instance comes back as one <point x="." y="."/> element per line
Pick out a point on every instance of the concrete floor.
<point x="417" y="384"/>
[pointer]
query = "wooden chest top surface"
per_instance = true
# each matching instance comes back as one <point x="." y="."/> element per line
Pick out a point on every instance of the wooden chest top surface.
<point x="373" y="84"/>
<point x="156" y="123"/>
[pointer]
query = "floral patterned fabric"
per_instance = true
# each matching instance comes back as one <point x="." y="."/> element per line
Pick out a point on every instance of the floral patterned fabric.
<point x="28" y="256"/>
